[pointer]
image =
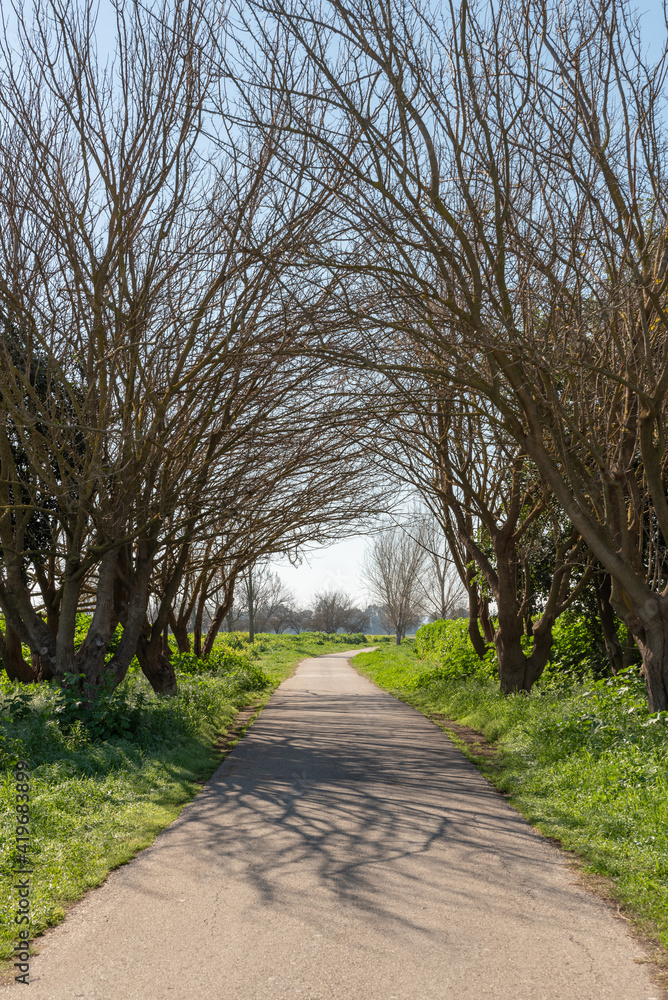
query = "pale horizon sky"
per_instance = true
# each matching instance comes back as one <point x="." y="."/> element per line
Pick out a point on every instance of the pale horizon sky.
<point x="328" y="567"/>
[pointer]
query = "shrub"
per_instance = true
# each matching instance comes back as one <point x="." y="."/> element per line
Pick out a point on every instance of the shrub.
<point x="232" y="640"/>
<point x="220" y="661"/>
<point x="575" y="656"/>
<point x="113" y="711"/>
<point x="345" y="638"/>
<point x="448" y="642"/>
<point x="236" y="666"/>
<point x="578" y="653"/>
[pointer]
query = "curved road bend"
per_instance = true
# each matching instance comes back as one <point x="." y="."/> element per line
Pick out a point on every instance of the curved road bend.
<point x="345" y="850"/>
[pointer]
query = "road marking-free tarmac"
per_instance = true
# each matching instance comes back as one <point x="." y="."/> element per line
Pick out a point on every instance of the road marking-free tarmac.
<point x="344" y="850"/>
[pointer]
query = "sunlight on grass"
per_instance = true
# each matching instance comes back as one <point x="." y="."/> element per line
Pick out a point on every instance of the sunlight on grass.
<point x="96" y="802"/>
<point x="582" y="760"/>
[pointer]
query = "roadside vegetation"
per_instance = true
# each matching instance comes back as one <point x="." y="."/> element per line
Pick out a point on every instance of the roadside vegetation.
<point x="106" y="778"/>
<point x="581" y="756"/>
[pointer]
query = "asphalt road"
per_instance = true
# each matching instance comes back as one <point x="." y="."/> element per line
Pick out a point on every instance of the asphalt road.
<point x="345" y="850"/>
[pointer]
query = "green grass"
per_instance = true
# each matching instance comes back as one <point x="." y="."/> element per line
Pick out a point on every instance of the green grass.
<point x="95" y="802"/>
<point x="583" y="761"/>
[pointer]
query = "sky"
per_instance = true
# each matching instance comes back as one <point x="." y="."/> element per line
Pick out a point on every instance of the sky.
<point x="332" y="567"/>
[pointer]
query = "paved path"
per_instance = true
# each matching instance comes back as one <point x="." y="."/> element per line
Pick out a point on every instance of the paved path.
<point x="345" y="850"/>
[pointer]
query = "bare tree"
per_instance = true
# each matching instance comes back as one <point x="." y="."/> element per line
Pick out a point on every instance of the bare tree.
<point x="294" y="488"/>
<point x="145" y="249"/>
<point x="334" y="610"/>
<point x="317" y="484"/>
<point x="265" y="604"/>
<point x="443" y="594"/>
<point x="393" y="565"/>
<point x="497" y="515"/>
<point x="507" y="206"/>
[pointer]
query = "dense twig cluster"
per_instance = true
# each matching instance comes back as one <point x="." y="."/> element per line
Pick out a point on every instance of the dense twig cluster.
<point x="501" y="235"/>
<point x="256" y="250"/>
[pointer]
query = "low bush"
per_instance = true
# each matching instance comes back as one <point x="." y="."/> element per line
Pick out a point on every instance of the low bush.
<point x="220" y="661"/>
<point x="577" y="650"/>
<point x="341" y="638"/>
<point x="448" y="643"/>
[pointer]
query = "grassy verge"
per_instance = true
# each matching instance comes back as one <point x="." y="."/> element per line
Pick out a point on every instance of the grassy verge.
<point x="102" y="790"/>
<point x="582" y="760"/>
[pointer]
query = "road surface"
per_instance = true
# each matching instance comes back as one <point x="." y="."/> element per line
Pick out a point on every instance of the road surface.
<point x="345" y="850"/>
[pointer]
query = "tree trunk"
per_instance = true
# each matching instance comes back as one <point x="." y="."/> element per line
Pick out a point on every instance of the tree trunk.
<point x="651" y="635"/>
<point x="477" y="641"/>
<point x="11" y="654"/>
<point x="631" y="651"/>
<point x="180" y="632"/>
<point x="647" y="622"/>
<point x="517" y="671"/>
<point x="197" y="629"/>
<point x="540" y="652"/>
<point x="512" y="663"/>
<point x="478" y="615"/>
<point x="251" y="607"/>
<point x="485" y="620"/>
<point x="613" y="647"/>
<point x="219" y="617"/>
<point x="398" y="636"/>
<point x="156" y="666"/>
<point x="126" y="602"/>
<point x="216" y="622"/>
<point x="111" y="602"/>
<point x="41" y="667"/>
<point x="654" y="652"/>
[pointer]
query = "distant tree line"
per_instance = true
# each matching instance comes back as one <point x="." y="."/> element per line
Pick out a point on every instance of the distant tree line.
<point x="408" y="574"/>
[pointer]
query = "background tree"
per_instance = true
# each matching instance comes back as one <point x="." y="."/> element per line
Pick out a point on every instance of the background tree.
<point x="265" y="604"/>
<point x="443" y="595"/>
<point x="333" y="611"/>
<point x="393" y="565"/>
